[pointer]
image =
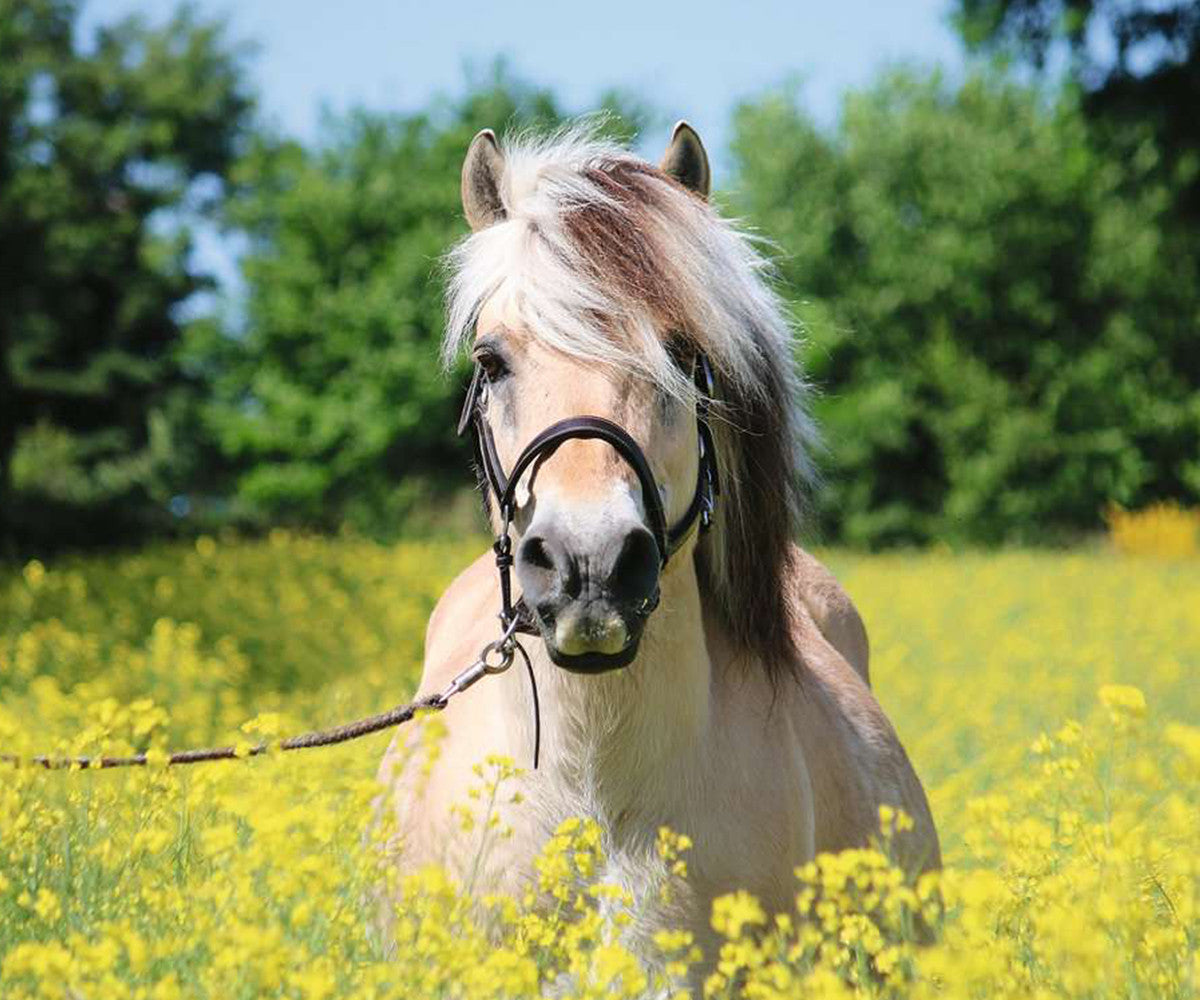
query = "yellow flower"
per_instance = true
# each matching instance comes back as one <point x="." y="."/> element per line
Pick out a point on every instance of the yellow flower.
<point x="34" y="573"/>
<point x="732" y="912"/>
<point x="1124" y="703"/>
<point x="1069" y="870"/>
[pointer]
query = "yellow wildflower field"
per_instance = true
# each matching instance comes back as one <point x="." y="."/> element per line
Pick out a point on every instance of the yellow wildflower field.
<point x="1050" y="703"/>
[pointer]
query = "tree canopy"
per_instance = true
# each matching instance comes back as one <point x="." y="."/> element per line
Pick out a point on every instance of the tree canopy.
<point x="99" y="146"/>
<point x="1137" y="64"/>
<point x="999" y="282"/>
<point x="1002" y="318"/>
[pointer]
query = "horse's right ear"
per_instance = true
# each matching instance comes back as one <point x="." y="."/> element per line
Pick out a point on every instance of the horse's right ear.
<point x="686" y="160"/>
<point x="481" y="173"/>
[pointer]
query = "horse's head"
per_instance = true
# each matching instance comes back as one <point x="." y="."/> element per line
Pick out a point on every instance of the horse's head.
<point x="590" y="547"/>
<point x="596" y="289"/>
<point x="591" y="544"/>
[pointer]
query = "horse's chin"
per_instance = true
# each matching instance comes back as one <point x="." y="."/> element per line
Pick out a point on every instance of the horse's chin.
<point x="593" y="663"/>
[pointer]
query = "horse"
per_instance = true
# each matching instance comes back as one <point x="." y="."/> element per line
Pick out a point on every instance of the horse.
<point x="695" y="667"/>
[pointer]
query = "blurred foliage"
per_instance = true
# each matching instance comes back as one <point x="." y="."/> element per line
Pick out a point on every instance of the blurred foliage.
<point x="998" y="280"/>
<point x="104" y="147"/>
<point x="1002" y="316"/>
<point x="1137" y="63"/>
<point x="1105" y="42"/>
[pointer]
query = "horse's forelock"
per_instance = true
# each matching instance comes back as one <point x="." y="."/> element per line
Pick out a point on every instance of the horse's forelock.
<point x="603" y="256"/>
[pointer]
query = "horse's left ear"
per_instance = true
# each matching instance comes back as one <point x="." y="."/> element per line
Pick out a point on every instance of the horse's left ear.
<point x="686" y="160"/>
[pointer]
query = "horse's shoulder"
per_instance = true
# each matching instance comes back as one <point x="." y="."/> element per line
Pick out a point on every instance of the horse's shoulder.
<point x="465" y="615"/>
<point x="854" y="756"/>
<point x="832" y="611"/>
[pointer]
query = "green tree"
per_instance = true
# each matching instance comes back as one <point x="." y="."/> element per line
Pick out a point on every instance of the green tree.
<point x="1137" y="64"/>
<point x="1002" y="317"/>
<point x="330" y="405"/>
<point x="103" y="151"/>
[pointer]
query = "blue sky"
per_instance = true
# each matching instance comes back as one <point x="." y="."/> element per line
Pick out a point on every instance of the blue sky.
<point x="693" y="61"/>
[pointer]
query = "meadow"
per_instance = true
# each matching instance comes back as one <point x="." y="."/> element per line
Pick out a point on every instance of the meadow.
<point x="1048" y="700"/>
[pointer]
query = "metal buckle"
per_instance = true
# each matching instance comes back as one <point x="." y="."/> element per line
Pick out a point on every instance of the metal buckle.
<point x="707" y="509"/>
<point x="484" y="665"/>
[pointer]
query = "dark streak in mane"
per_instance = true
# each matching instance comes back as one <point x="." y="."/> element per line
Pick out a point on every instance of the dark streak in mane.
<point x="753" y="593"/>
<point x="758" y="562"/>
<point x="613" y="239"/>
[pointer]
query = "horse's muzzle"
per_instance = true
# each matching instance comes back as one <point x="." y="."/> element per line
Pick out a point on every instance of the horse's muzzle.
<point x="590" y="606"/>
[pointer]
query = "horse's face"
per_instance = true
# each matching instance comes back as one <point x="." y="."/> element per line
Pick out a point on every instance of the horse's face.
<point x="586" y="560"/>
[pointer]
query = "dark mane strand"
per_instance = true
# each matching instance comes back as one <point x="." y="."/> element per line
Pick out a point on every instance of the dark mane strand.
<point x="757" y="529"/>
<point x="613" y="238"/>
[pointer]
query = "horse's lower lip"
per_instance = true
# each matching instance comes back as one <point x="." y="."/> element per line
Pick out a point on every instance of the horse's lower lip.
<point x="593" y="663"/>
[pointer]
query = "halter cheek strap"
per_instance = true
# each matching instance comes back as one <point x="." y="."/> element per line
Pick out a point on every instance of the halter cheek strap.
<point x="503" y="486"/>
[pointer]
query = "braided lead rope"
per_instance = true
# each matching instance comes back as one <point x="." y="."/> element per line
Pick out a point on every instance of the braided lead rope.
<point x="318" y="738"/>
<point x="504" y="648"/>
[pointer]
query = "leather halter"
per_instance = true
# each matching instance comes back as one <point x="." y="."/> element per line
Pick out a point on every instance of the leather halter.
<point x="503" y="486"/>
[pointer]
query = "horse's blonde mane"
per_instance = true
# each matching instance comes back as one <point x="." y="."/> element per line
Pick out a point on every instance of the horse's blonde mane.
<point x="607" y="259"/>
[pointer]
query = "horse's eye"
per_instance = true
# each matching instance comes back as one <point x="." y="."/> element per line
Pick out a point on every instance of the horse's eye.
<point x="492" y="363"/>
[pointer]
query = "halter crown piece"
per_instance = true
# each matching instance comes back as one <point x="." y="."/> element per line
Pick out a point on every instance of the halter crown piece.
<point x="668" y="538"/>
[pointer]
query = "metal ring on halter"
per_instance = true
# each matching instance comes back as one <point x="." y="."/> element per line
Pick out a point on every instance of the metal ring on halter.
<point x="504" y="648"/>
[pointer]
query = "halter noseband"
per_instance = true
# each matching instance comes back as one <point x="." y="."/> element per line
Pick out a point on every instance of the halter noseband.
<point x="668" y="538"/>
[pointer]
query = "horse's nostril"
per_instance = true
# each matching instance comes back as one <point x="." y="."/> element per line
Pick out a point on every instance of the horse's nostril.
<point x="634" y="574"/>
<point x="535" y="553"/>
<point x="621" y="573"/>
<point x="546" y="569"/>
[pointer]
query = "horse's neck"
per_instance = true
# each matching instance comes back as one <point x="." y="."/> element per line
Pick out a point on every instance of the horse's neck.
<point x="616" y="739"/>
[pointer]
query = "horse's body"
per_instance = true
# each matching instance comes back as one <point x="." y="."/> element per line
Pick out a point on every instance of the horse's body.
<point x="689" y="738"/>
<point x="739" y="712"/>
